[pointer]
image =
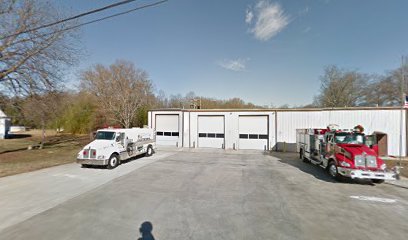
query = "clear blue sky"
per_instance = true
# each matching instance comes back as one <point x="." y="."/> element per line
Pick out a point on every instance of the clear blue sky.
<point x="265" y="52"/>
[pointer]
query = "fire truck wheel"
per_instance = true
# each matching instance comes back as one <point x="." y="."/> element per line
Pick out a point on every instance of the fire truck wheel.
<point x="378" y="181"/>
<point x="332" y="169"/>
<point x="113" y="161"/>
<point x="149" y="151"/>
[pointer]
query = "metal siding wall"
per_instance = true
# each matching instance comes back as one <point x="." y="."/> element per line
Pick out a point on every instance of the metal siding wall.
<point x="387" y="121"/>
<point x="186" y="129"/>
<point x="288" y="122"/>
<point x="193" y="128"/>
<point x="2" y="128"/>
<point x="230" y="126"/>
<point x="149" y="118"/>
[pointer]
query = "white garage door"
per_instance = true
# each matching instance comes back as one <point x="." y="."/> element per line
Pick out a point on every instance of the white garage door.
<point x="211" y="131"/>
<point x="253" y="132"/>
<point x="167" y="130"/>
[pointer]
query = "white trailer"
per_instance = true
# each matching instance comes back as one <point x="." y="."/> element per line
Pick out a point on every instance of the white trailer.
<point x="111" y="146"/>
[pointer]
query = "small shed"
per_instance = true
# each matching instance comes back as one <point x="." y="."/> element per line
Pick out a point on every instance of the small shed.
<point x="4" y="125"/>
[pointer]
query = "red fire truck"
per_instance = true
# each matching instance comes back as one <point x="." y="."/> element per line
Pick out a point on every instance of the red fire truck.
<point x="343" y="153"/>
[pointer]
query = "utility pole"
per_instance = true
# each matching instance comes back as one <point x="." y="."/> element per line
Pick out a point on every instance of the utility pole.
<point x="195" y="103"/>
<point x="403" y="98"/>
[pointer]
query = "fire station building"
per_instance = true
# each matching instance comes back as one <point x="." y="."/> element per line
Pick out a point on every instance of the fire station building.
<point x="270" y="129"/>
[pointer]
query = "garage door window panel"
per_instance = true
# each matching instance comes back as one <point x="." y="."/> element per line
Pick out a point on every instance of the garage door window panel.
<point x="243" y="136"/>
<point x="253" y="136"/>
<point x="219" y="135"/>
<point x="263" y="136"/>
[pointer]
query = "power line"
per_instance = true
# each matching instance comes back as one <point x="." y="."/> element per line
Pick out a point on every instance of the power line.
<point x="71" y="18"/>
<point x="107" y="17"/>
<point x="93" y="21"/>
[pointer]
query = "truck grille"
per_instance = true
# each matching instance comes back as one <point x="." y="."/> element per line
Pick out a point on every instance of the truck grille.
<point x="365" y="161"/>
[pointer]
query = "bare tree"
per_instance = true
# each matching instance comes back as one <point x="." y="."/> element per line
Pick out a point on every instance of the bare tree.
<point x="44" y="109"/>
<point x="340" y="88"/>
<point x="121" y="89"/>
<point x="33" y="61"/>
<point x="386" y="91"/>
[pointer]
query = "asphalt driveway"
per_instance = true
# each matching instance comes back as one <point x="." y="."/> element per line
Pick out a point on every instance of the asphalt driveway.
<point x="208" y="194"/>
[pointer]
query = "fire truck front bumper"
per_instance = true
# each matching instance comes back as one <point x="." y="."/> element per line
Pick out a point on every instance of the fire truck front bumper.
<point x="92" y="162"/>
<point x="363" y="174"/>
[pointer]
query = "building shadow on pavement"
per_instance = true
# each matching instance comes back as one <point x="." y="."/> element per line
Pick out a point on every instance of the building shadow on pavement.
<point x="145" y="230"/>
<point x="318" y="172"/>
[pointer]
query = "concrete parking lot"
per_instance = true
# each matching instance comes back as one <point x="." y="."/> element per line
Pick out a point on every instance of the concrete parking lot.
<point x="202" y="194"/>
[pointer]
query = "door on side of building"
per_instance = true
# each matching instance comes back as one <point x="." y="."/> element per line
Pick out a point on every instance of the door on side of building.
<point x="167" y="129"/>
<point x="211" y="131"/>
<point x="253" y="132"/>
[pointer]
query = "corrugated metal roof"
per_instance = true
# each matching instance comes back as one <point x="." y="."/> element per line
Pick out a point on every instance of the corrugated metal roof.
<point x="276" y="109"/>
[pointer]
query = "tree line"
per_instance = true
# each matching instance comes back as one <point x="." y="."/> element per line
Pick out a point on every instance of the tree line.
<point x="351" y="88"/>
<point x="118" y="95"/>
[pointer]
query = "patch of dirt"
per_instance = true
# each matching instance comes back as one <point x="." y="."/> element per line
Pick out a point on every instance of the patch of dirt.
<point x="404" y="164"/>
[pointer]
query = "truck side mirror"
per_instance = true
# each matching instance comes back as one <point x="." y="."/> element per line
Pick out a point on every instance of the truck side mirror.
<point x="117" y="139"/>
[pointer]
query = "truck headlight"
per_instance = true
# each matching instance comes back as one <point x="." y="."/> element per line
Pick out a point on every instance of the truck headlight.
<point x="345" y="164"/>
<point x="383" y="166"/>
<point x="101" y="157"/>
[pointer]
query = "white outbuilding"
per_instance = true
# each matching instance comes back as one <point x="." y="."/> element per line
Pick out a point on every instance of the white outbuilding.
<point x="4" y="125"/>
<point x="269" y="129"/>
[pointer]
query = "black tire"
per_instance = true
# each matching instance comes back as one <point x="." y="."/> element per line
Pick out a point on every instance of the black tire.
<point x="149" y="151"/>
<point x="113" y="161"/>
<point x="378" y="181"/>
<point x="333" y="171"/>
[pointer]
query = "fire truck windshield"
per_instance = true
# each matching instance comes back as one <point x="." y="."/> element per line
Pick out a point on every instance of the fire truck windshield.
<point x="101" y="135"/>
<point x="350" y="138"/>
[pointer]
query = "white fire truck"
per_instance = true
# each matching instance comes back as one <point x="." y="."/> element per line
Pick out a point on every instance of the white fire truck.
<point x="343" y="153"/>
<point x="111" y="146"/>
